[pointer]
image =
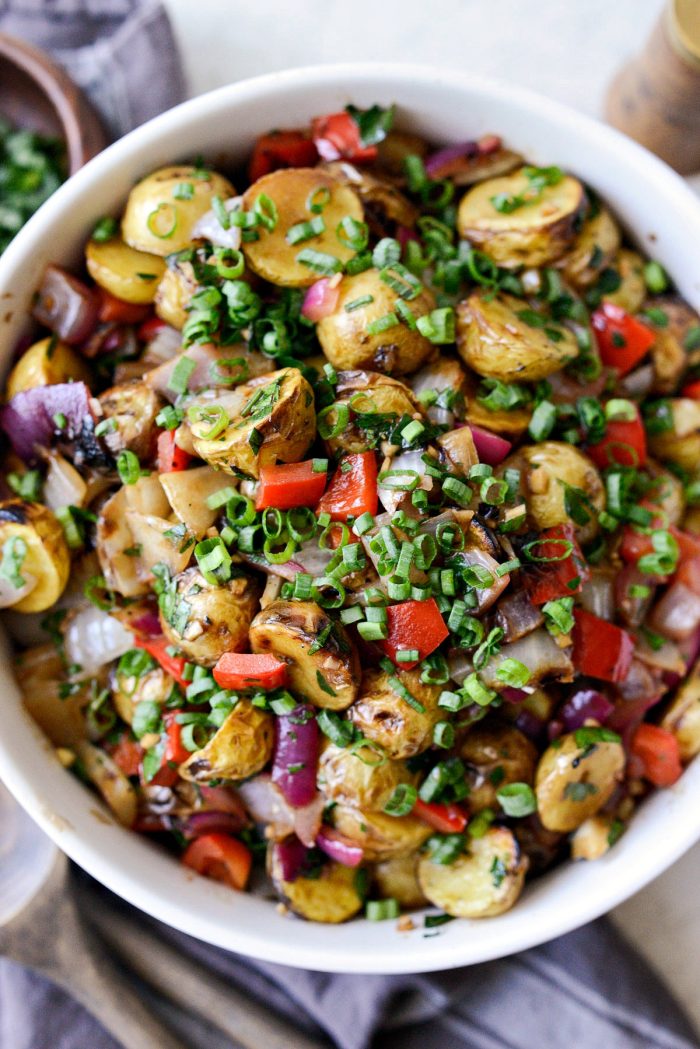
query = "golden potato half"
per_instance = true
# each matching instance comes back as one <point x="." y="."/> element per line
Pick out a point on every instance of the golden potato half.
<point x="483" y="882"/>
<point x="32" y="539"/>
<point x="123" y="271"/>
<point x="574" y="780"/>
<point x="45" y="363"/>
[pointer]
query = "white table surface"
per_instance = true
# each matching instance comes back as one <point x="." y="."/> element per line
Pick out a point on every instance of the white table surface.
<point x="564" y="48"/>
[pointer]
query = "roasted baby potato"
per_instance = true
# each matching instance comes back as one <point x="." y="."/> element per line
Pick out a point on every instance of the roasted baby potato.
<point x="458" y="449"/>
<point x="33" y="548"/>
<point x="175" y="289"/>
<point x="240" y="748"/>
<point x="272" y="256"/>
<point x="393" y="150"/>
<point x="159" y="217"/>
<point x="382" y="837"/>
<point x="323" y="665"/>
<point x="345" y="776"/>
<point x="574" y="780"/>
<point x="484" y="881"/>
<point x="668" y="354"/>
<point x="275" y="423"/>
<point x="631" y="293"/>
<point x="535" y="233"/>
<point x="681" y="444"/>
<point x="45" y="363"/>
<point x="511" y="423"/>
<point x="592" y="250"/>
<point x="188" y="491"/>
<point x="384" y="716"/>
<point x="128" y="690"/>
<point x="206" y="620"/>
<point x="123" y="271"/>
<point x="496" y="340"/>
<point x="39" y="671"/>
<point x="349" y="343"/>
<point x="113" y="785"/>
<point x="593" y="838"/>
<point x="377" y="194"/>
<point x="682" y="717"/>
<point x="495" y="755"/>
<point x="367" y="392"/>
<point x="540" y="653"/>
<point x="332" y="897"/>
<point x="133" y="407"/>
<point x="397" y="879"/>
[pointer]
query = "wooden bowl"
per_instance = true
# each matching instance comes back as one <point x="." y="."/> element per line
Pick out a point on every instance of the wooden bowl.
<point x="37" y="94"/>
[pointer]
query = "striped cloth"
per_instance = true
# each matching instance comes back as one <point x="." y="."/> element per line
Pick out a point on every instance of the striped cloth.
<point x="587" y="990"/>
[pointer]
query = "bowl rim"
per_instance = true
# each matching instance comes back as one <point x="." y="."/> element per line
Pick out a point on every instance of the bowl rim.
<point x="16" y="771"/>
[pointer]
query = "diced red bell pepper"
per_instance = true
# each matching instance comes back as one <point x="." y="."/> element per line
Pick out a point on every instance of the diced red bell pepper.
<point x="171" y="458"/>
<point x="221" y="857"/>
<point x="622" y="340"/>
<point x="601" y="649"/>
<point x="115" y="311"/>
<point x="448" y="819"/>
<point x="624" y="444"/>
<point x="281" y="149"/>
<point x="289" y="485"/>
<point x="352" y="491"/>
<point x="127" y="754"/>
<point x="658" y="751"/>
<point x="337" y="137"/>
<point x="413" y="625"/>
<point x="692" y="390"/>
<point x="174" y="748"/>
<point x="157" y="647"/>
<point x="240" y="670"/>
<point x="150" y="328"/>
<point x="689" y="574"/>
<point x="636" y="544"/>
<point x="553" y="579"/>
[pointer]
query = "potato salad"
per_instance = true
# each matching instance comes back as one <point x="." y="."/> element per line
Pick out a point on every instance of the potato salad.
<point x="350" y="520"/>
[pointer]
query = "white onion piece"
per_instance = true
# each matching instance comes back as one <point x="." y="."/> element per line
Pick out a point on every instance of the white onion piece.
<point x="517" y="616"/>
<point x="150" y="533"/>
<point x="63" y="485"/>
<point x="94" y="638"/>
<point x="638" y="383"/>
<point x="598" y="595"/>
<point x="209" y="228"/>
<point x="668" y="657"/>
<point x="165" y="344"/>
<point x="677" y="614"/>
<point x="540" y="654"/>
<point x="391" y="498"/>
<point x="11" y="594"/>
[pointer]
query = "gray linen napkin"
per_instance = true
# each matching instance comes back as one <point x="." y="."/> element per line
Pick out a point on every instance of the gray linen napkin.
<point x="587" y="990"/>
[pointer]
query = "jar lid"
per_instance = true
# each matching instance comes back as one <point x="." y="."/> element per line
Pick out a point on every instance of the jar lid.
<point x="684" y="29"/>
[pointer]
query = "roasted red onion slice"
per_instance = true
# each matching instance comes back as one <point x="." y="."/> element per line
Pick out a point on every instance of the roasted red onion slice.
<point x="291" y="855"/>
<point x="33" y="418"/>
<point x="66" y="305"/>
<point x="490" y="448"/>
<point x="296" y="755"/>
<point x="677" y="614"/>
<point x="320" y="300"/>
<point x="517" y="616"/>
<point x="585" y="704"/>
<point x="339" y="848"/>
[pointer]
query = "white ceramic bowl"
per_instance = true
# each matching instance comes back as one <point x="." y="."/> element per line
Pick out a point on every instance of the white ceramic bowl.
<point x="652" y="201"/>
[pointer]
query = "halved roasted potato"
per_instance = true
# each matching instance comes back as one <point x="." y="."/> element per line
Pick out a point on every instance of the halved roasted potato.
<point x="113" y="785"/>
<point x="272" y="256"/>
<point x="352" y="777"/>
<point x="497" y="339"/>
<point x="384" y="716"/>
<point x="507" y="423"/>
<point x="482" y="882"/>
<point x="592" y="839"/>
<point x="123" y="271"/>
<point x="275" y="422"/>
<point x="668" y="354"/>
<point x="35" y="555"/>
<point x="240" y="748"/>
<point x="188" y="491"/>
<point x="495" y="755"/>
<point x="682" y="717"/>
<point x="681" y="443"/>
<point x="378" y="194"/>
<point x="631" y="293"/>
<point x="133" y="407"/>
<point x="592" y="250"/>
<point x="575" y="779"/>
<point x="163" y="207"/>
<point x="534" y="233"/>
<point x="368" y="394"/>
<point x="205" y="620"/>
<point x="39" y="671"/>
<point x="331" y="898"/>
<point x="397" y="879"/>
<point x="366" y="302"/>
<point x="175" y="289"/>
<point x="393" y="150"/>
<point x="128" y="690"/>
<point x="381" y="837"/>
<point x="323" y="665"/>
<point x="45" y="363"/>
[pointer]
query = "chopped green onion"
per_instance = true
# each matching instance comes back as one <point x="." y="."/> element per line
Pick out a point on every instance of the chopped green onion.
<point x="305" y="230"/>
<point x="128" y="467"/>
<point x="517" y="799"/>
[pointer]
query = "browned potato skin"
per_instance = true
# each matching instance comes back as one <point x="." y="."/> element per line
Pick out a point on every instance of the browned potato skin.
<point x="288" y="630"/>
<point x="565" y="765"/>
<point x="377" y="193"/>
<point x="219" y="616"/>
<point x="393" y="150"/>
<point x="682" y="717"/>
<point x="592" y="250"/>
<point x="331" y="898"/>
<point x="346" y="778"/>
<point x="667" y="493"/>
<point x="398" y="879"/>
<point x="668" y="354"/>
<point x="128" y="691"/>
<point x="175" y="289"/>
<point x="348" y="345"/>
<point x="381" y="837"/>
<point x="387" y="719"/>
<point x="134" y="406"/>
<point x="466" y="888"/>
<point x="495" y="755"/>
<point x="371" y="392"/>
<point x="507" y="424"/>
<point x="680" y="445"/>
<point x="240" y="748"/>
<point x="459" y="449"/>
<point x="633" y="290"/>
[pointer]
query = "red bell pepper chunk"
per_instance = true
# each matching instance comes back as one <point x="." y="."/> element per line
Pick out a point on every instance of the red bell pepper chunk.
<point x="127" y="755"/>
<point x="221" y="857"/>
<point x="659" y="753"/>
<point x="692" y="390"/>
<point x="174" y="749"/>
<point x="157" y="647"/>
<point x="289" y="485"/>
<point x="240" y="670"/>
<point x="171" y="458"/>
<point x="337" y="137"/>
<point x="281" y="149"/>
<point x="601" y="649"/>
<point x="449" y="819"/>
<point x="624" y="444"/>
<point x="352" y="491"/>
<point x="553" y="579"/>
<point x="414" y="624"/>
<point x="150" y="328"/>
<point x="622" y="339"/>
<point x="115" y="311"/>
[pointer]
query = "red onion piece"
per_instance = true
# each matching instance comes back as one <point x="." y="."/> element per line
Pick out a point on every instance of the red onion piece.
<point x="320" y="300"/>
<point x="436" y="163"/>
<point x="147" y="623"/>
<point x="223" y="799"/>
<point x="517" y="616"/>
<point x="66" y="305"/>
<point x="489" y="144"/>
<point x="584" y="704"/>
<point x="29" y="418"/>
<point x="404" y="234"/>
<point x="514" y="695"/>
<point x="339" y="848"/>
<point x="291" y="855"/>
<point x="530" y="725"/>
<point x="199" y="823"/>
<point x="296" y="755"/>
<point x="598" y="594"/>
<point x="490" y="448"/>
<point x="677" y="614"/>
<point x="690" y="648"/>
<point x="205" y="357"/>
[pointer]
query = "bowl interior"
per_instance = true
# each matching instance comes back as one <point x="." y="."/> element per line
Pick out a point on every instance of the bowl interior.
<point x="665" y="216"/>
